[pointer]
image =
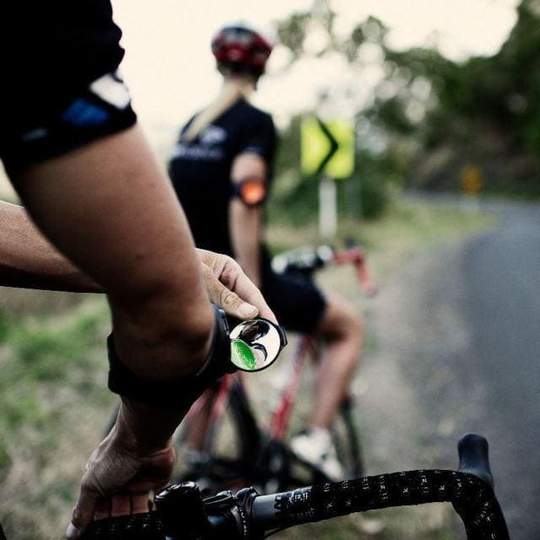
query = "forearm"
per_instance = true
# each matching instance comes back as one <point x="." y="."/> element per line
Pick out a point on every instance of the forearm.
<point x="245" y="226"/>
<point x="131" y="237"/>
<point x="146" y="429"/>
<point x="27" y="260"/>
<point x="152" y="409"/>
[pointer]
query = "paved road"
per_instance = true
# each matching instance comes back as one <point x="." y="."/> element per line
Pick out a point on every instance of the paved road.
<point x="464" y="355"/>
<point x="502" y="276"/>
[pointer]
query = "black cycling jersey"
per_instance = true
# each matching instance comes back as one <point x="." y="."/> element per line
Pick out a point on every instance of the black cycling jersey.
<point x="201" y="175"/>
<point x="53" y="49"/>
<point x="59" y="85"/>
<point x="201" y="170"/>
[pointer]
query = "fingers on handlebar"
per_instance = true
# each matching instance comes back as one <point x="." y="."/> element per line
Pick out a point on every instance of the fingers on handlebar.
<point x="117" y="506"/>
<point x="83" y="514"/>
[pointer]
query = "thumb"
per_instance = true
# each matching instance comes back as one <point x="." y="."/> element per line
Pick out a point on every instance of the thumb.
<point x="228" y="300"/>
<point x="83" y="514"/>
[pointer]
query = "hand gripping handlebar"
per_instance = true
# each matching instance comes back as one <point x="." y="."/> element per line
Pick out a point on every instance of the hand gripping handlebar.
<point x="183" y="513"/>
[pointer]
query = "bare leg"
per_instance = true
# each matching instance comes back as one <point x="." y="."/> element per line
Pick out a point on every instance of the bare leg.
<point x="341" y="330"/>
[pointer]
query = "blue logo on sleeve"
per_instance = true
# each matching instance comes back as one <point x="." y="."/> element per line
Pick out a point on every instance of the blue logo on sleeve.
<point x="85" y="114"/>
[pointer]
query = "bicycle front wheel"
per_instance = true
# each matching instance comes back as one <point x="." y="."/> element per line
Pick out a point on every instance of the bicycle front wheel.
<point x="231" y="442"/>
<point x="346" y="438"/>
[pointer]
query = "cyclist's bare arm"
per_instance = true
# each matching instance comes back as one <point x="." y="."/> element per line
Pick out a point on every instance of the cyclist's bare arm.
<point x="28" y="260"/>
<point x="245" y="222"/>
<point x="109" y="208"/>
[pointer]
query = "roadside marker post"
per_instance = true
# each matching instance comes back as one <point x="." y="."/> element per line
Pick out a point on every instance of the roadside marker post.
<point x="328" y="218"/>
<point x="327" y="151"/>
<point x="472" y="182"/>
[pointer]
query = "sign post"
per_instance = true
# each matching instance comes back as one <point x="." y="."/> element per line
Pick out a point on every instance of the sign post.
<point x="327" y="207"/>
<point x="472" y="182"/>
<point x="327" y="151"/>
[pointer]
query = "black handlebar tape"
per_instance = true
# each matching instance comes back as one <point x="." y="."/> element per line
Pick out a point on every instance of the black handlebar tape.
<point x="135" y="527"/>
<point x="473" y="499"/>
<point x="474" y="457"/>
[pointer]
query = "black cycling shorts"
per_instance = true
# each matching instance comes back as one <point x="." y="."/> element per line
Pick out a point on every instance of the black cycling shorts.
<point x="298" y="304"/>
<point x="59" y="86"/>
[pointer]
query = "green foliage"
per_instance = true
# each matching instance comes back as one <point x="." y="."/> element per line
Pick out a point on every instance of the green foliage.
<point x="288" y="156"/>
<point x="41" y="356"/>
<point x="5" y="460"/>
<point x="292" y="32"/>
<point x="4" y="327"/>
<point x="298" y="206"/>
<point x="48" y="352"/>
<point x="374" y="196"/>
<point x="390" y="113"/>
<point x="484" y="111"/>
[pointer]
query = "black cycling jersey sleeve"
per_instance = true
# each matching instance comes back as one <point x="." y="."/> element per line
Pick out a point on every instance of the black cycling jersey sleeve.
<point x="56" y="49"/>
<point x="60" y="86"/>
<point x="259" y="137"/>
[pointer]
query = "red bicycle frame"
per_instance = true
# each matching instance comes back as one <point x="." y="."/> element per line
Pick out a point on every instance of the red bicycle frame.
<point x="280" y="417"/>
<point x="279" y="421"/>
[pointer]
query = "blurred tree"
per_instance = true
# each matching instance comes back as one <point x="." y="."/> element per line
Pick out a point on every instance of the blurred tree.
<point x="434" y="115"/>
<point x="299" y="195"/>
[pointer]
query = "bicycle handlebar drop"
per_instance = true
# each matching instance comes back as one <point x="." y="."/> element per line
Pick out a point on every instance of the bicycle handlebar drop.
<point x="473" y="453"/>
<point x="469" y="490"/>
<point x="306" y="261"/>
<point x="182" y="513"/>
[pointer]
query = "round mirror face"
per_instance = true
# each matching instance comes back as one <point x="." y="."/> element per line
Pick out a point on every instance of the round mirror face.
<point x="255" y="344"/>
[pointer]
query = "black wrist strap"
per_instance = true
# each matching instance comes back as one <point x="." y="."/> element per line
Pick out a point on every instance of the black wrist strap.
<point x="182" y="391"/>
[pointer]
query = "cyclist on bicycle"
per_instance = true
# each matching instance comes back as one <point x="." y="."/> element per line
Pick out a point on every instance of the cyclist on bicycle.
<point x="70" y="143"/>
<point x="221" y="168"/>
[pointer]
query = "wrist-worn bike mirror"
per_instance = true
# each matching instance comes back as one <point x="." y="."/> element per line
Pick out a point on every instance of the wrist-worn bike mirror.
<point x="256" y="344"/>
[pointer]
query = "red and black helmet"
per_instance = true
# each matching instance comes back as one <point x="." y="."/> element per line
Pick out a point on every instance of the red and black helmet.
<point x="241" y="49"/>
